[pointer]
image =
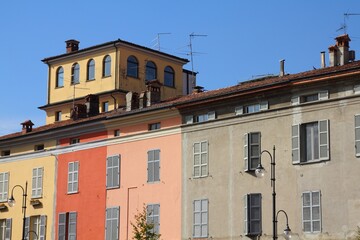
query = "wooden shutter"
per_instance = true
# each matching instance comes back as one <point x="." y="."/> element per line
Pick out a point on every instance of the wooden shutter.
<point x="8" y="229"/>
<point x="156" y="165"/>
<point x="37" y="180"/>
<point x="254" y="150"/>
<point x="150" y="167"/>
<point x="246" y="152"/>
<point x="4" y="181"/>
<point x="254" y="213"/>
<point x="324" y="140"/>
<point x="42" y="233"/>
<point x="62" y="226"/>
<point x="239" y="110"/>
<point x="295" y="143"/>
<point x="264" y="105"/>
<point x="295" y="100"/>
<point x="72" y="226"/>
<point x="323" y="95"/>
<point x="357" y="135"/>
<point x="246" y="213"/>
<point x="196" y="159"/>
<point x="27" y="227"/>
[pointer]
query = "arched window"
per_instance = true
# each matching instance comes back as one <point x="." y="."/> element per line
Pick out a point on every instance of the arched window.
<point x="75" y="70"/>
<point x="107" y="66"/>
<point x="132" y="67"/>
<point x="59" y="77"/>
<point x="169" y="77"/>
<point x="91" y="70"/>
<point x="150" y="73"/>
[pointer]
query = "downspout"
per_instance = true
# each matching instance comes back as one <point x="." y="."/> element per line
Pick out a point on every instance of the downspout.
<point x="114" y="100"/>
<point x="116" y="67"/>
<point x="48" y="95"/>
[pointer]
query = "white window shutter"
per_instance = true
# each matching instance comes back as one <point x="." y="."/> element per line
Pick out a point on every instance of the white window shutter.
<point x="150" y="167"/>
<point x="264" y="105"/>
<point x="62" y="226"/>
<point x="118" y="171"/>
<point x="189" y="119"/>
<point x="295" y="143"/>
<point x="8" y="229"/>
<point x="323" y="95"/>
<point x="211" y="115"/>
<point x="42" y="233"/>
<point x="239" y="110"/>
<point x="295" y="100"/>
<point x="246" y="152"/>
<point x="357" y="89"/>
<point x="246" y="220"/>
<point x="357" y="135"/>
<point x="324" y="139"/>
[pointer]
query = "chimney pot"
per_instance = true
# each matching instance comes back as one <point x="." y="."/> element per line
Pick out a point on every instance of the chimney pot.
<point x="72" y="45"/>
<point x="282" y="67"/>
<point x="323" y="63"/>
<point x="27" y="126"/>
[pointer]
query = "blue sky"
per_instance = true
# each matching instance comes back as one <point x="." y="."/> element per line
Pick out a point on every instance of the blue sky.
<point x="244" y="39"/>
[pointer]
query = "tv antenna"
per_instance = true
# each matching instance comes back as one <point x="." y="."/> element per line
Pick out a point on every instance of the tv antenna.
<point x="157" y="39"/>
<point x="344" y="25"/>
<point x="193" y="35"/>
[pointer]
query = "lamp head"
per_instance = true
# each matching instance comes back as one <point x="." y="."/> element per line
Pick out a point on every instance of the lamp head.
<point x="11" y="201"/>
<point x="287" y="232"/>
<point x="260" y="171"/>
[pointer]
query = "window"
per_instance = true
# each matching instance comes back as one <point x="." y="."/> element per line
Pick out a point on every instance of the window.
<point x="257" y="107"/>
<point x="37" y="182"/>
<point x="153" y="216"/>
<point x="67" y="226"/>
<point x="112" y="224"/>
<point x="5" y="229"/>
<point x="75" y="73"/>
<point x="201" y="217"/>
<point x="59" y="77"/>
<point x="39" y="147"/>
<point x="113" y="171"/>
<point x="5" y="153"/>
<point x="200" y="155"/>
<point x="105" y="107"/>
<point x="357" y="135"/>
<point x="252" y="214"/>
<point x="116" y="133"/>
<point x="200" y="118"/>
<point x="310" y="142"/>
<point x="73" y="177"/>
<point x="4" y="186"/>
<point x="58" y="116"/>
<point x="311" y="211"/>
<point x="169" y="77"/>
<point x="35" y="226"/>
<point x="322" y="95"/>
<point x="74" y="141"/>
<point x="132" y="67"/>
<point x="356" y="89"/>
<point x="90" y="70"/>
<point x="107" y="66"/>
<point x="153" y="167"/>
<point x="154" y="126"/>
<point x="252" y="150"/>
<point x="150" y="72"/>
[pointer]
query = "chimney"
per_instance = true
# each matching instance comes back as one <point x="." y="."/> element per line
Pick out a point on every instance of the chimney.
<point x="198" y="89"/>
<point x="72" y="45"/>
<point x="333" y="56"/>
<point x="142" y="100"/>
<point x="26" y="126"/>
<point x="153" y="94"/>
<point x="131" y="101"/>
<point x="322" y="56"/>
<point x="78" y="111"/>
<point x="92" y="105"/>
<point x="282" y="68"/>
<point x="339" y="53"/>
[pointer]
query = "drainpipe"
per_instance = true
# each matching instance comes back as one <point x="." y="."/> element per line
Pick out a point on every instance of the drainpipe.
<point x="48" y="95"/>
<point x="127" y="211"/>
<point x="114" y="100"/>
<point x="116" y="67"/>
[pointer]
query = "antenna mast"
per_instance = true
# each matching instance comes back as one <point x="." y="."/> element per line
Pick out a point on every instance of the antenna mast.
<point x="158" y="40"/>
<point x="192" y="35"/>
<point x="346" y="15"/>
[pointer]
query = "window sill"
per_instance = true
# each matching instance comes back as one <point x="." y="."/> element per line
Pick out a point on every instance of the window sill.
<point x="59" y="87"/>
<point x="71" y="193"/>
<point x="108" y="76"/>
<point x="90" y="80"/>
<point x="312" y="162"/>
<point x="112" y="188"/>
<point x="153" y="182"/>
<point x="128" y="76"/>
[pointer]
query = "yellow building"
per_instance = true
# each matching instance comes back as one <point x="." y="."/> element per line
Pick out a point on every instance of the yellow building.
<point x="109" y="71"/>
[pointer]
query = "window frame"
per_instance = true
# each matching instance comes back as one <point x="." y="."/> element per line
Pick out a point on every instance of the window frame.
<point x="248" y="219"/>
<point x="311" y="206"/>
<point x="4" y="181"/>
<point x="59" y="81"/>
<point x="5" y="228"/>
<point x="150" y="71"/>
<point x="151" y="216"/>
<point x="199" y="221"/>
<point x="74" y="140"/>
<point x="75" y="74"/>
<point x="169" y="76"/>
<point x="90" y="70"/>
<point x="302" y="99"/>
<point x="37" y="224"/>
<point x="58" y="115"/>
<point x="132" y="62"/>
<point x="111" y="170"/>
<point x="248" y="150"/>
<point x="73" y="178"/>
<point x="106" y="66"/>
<point x="154" y="126"/>
<point x="197" y="164"/>
<point x="109" y="220"/>
<point x="153" y="166"/>
<point x="37" y="182"/>
<point x="105" y="106"/>
<point x="299" y="143"/>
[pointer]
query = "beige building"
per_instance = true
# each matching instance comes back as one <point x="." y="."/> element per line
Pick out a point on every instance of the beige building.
<point x="313" y="120"/>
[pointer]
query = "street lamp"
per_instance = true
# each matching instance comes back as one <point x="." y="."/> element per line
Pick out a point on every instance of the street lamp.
<point x="33" y="232"/>
<point x="260" y="172"/>
<point x="12" y="202"/>
<point x="287" y="230"/>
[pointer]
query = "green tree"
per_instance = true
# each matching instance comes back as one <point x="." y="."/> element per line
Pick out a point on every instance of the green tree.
<point x="142" y="229"/>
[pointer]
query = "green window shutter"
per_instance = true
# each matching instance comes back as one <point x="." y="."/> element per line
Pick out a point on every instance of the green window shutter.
<point x="295" y="144"/>
<point x="324" y="140"/>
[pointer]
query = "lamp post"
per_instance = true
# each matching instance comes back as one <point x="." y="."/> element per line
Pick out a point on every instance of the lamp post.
<point x="31" y="231"/>
<point x="260" y="172"/>
<point x="12" y="202"/>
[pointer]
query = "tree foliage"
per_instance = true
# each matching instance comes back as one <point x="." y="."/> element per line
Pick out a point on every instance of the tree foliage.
<point x="142" y="229"/>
